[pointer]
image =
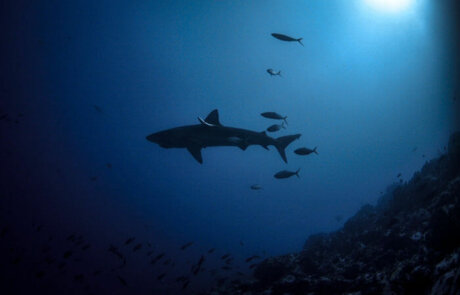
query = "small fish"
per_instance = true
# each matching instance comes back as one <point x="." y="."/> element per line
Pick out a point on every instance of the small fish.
<point x="256" y="187"/>
<point x="414" y="149"/>
<point x="4" y="116"/>
<point x="185" y="284"/>
<point x="86" y="247"/>
<point x="399" y="175"/>
<point x="158" y="257"/>
<point x="108" y="165"/>
<point x="273" y="73"/>
<point x="181" y="279"/>
<point x="160" y="277"/>
<point x="286" y="38"/>
<point x="67" y="254"/>
<point x="122" y="281"/>
<point x="40" y="274"/>
<point x="137" y="247"/>
<point x="229" y="260"/>
<point x="305" y="151"/>
<point x="249" y="259"/>
<point x="129" y="240"/>
<point x="241" y="243"/>
<point x="225" y="256"/>
<point x="274" y="115"/>
<point x="286" y="174"/>
<point x="167" y="261"/>
<point x="253" y="265"/>
<point x="226" y="267"/>
<point x="79" y="277"/>
<point x="98" y="109"/>
<point x="211" y="250"/>
<point x="185" y="246"/>
<point x="149" y="253"/>
<point x="93" y="178"/>
<point x="276" y="127"/>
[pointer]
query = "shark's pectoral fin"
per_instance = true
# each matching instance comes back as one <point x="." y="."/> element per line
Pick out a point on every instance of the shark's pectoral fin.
<point x="196" y="153"/>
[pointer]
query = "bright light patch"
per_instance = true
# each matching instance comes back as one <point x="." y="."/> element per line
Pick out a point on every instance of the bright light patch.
<point x="390" y="5"/>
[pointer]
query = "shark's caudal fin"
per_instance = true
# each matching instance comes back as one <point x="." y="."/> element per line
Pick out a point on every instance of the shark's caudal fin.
<point x="282" y="142"/>
<point x="297" y="173"/>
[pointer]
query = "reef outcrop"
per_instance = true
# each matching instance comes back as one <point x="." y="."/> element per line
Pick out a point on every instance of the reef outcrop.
<point x="408" y="243"/>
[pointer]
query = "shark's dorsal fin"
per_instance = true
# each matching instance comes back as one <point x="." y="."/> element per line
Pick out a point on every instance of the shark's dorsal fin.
<point x="213" y="118"/>
<point x="195" y="150"/>
<point x="205" y="123"/>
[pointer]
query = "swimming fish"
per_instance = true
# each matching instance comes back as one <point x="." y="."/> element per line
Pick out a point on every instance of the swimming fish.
<point x="305" y="151"/>
<point x="256" y="187"/>
<point x="286" y="174"/>
<point x="273" y="73"/>
<point x="185" y="246"/>
<point x="274" y="115"/>
<point x="286" y="38"/>
<point x="276" y="127"/>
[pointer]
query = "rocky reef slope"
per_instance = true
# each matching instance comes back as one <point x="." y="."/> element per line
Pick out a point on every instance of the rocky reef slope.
<point x="409" y="243"/>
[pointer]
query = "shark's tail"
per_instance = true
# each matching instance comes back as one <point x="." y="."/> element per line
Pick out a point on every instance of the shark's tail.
<point x="297" y="173"/>
<point x="284" y="119"/>
<point x="282" y="142"/>
<point x="283" y="125"/>
<point x="300" y="41"/>
<point x="279" y="74"/>
<point x="314" y="150"/>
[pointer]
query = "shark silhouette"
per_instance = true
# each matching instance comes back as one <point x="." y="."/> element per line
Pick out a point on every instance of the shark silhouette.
<point x="210" y="132"/>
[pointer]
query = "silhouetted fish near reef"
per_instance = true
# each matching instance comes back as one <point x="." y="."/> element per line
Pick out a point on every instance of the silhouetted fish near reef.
<point x="225" y="256"/>
<point x="253" y="265"/>
<point x="122" y="281"/>
<point x="274" y="115"/>
<point x="252" y="258"/>
<point x="185" y="246"/>
<point x="160" y="277"/>
<point x="305" y="151"/>
<point x="129" y="240"/>
<point x="137" y="247"/>
<point x="211" y="250"/>
<point x="286" y="174"/>
<point x="286" y="38"/>
<point x="98" y="109"/>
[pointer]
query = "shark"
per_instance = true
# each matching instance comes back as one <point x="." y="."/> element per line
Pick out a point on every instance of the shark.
<point x="211" y="133"/>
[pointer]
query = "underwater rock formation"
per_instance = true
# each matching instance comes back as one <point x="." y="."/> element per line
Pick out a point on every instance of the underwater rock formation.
<point x="409" y="243"/>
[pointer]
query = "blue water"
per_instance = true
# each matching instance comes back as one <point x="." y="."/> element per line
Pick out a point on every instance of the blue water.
<point x="367" y="89"/>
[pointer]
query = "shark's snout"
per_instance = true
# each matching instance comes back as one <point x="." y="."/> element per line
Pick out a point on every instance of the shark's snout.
<point x="152" y="137"/>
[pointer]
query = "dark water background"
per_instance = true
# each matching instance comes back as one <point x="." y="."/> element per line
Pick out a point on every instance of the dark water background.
<point x="368" y="89"/>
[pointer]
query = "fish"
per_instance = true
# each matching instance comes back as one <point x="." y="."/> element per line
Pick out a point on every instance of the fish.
<point x="211" y="250"/>
<point x="273" y="73"/>
<point x="161" y="276"/>
<point x="129" y="240"/>
<point x="98" y="109"/>
<point x="286" y="174"/>
<point x="67" y="254"/>
<point x="122" y="281"/>
<point x="276" y="127"/>
<point x="210" y="132"/>
<point x="185" y="284"/>
<point x="225" y="256"/>
<point x="158" y="257"/>
<point x="185" y="246"/>
<point x="253" y="265"/>
<point x="226" y="267"/>
<point x="249" y="259"/>
<point x="274" y="115"/>
<point x="256" y="187"/>
<point x="108" y="165"/>
<point x="86" y="247"/>
<point x="137" y="247"/>
<point x="283" y="37"/>
<point x="399" y="175"/>
<point x="305" y="151"/>
<point x="229" y="260"/>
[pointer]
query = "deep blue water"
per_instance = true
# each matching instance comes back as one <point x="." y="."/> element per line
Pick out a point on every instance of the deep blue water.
<point x="83" y="84"/>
